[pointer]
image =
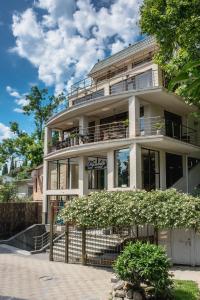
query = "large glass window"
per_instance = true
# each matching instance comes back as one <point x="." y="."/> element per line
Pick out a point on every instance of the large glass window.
<point x="122" y="168"/>
<point x="174" y="168"/>
<point x="150" y="169"/>
<point x="97" y="178"/>
<point x="63" y="174"/>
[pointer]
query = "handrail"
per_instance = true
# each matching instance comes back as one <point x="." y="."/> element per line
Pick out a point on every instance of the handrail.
<point x="90" y="89"/>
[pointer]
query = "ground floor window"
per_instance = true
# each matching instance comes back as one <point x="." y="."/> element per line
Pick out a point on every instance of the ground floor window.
<point x="150" y="169"/>
<point x="97" y="173"/>
<point x="174" y="168"/>
<point x="63" y="174"/>
<point x="122" y="168"/>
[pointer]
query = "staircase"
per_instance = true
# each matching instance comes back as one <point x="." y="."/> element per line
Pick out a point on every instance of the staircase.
<point x="100" y="248"/>
<point x="193" y="180"/>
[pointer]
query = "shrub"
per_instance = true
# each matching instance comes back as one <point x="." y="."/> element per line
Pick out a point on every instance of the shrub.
<point x="163" y="209"/>
<point x="144" y="263"/>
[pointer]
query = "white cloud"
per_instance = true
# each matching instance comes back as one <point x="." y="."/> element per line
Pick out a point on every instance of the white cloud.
<point x="20" y="99"/>
<point x="4" y="132"/>
<point x="70" y="36"/>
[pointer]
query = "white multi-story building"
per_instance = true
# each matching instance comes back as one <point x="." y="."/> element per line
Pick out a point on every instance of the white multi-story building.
<point x="121" y="130"/>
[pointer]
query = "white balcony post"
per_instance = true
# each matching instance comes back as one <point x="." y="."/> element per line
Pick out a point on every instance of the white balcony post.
<point x="45" y="187"/>
<point x="135" y="167"/>
<point x="83" y="124"/>
<point x="134" y="116"/>
<point x="110" y="169"/>
<point x="83" y="176"/>
<point x="61" y="135"/>
<point x="47" y="139"/>
<point x="162" y="170"/>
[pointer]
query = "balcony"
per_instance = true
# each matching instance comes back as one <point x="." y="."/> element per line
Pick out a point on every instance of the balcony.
<point x="93" y="134"/>
<point x="88" y="90"/>
<point x="159" y="126"/>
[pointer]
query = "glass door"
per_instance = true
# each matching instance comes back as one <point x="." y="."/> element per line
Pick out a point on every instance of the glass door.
<point x="150" y="169"/>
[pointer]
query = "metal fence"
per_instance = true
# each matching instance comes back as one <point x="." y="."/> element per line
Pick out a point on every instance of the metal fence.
<point x="94" y="246"/>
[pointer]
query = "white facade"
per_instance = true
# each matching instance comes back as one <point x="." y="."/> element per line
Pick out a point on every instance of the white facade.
<point x="121" y="131"/>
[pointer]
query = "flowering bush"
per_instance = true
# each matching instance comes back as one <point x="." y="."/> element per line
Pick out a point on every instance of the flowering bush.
<point x="145" y="264"/>
<point x="163" y="209"/>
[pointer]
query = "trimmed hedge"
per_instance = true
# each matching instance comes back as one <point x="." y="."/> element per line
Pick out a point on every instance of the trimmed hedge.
<point x="163" y="209"/>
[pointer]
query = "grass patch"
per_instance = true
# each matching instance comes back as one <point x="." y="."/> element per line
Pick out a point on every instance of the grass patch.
<point x="186" y="290"/>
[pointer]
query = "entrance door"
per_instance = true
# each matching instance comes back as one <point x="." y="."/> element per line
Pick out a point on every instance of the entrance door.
<point x="150" y="169"/>
<point x="181" y="246"/>
<point x="173" y="125"/>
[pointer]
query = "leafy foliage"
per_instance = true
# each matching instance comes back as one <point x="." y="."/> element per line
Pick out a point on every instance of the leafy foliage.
<point x="23" y="146"/>
<point x="7" y="192"/>
<point x="163" y="209"/>
<point x="190" y="77"/>
<point x="176" y="27"/>
<point x="148" y="264"/>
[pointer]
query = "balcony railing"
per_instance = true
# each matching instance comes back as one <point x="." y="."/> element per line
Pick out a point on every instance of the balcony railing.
<point x="160" y="126"/>
<point x="103" y="132"/>
<point x="87" y="89"/>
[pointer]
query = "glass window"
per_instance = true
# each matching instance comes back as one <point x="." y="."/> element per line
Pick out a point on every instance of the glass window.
<point x="52" y="175"/>
<point x="122" y="168"/>
<point x="63" y="174"/>
<point x="150" y="169"/>
<point x="174" y="168"/>
<point x="74" y="173"/>
<point x="97" y="178"/>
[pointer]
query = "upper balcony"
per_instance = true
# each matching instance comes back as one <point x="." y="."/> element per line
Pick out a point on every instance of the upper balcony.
<point x="89" y="90"/>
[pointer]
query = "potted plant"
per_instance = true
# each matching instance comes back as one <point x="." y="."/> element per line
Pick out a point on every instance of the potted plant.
<point x="159" y="126"/>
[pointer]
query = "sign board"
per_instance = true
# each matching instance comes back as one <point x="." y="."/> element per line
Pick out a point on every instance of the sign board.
<point x="96" y="164"/>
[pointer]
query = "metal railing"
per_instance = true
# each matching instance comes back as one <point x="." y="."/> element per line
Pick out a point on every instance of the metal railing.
<point x="41" y="240"/>
<point x="88" y="89"/>
<point x="103" y="132"/>
<point x="161" y="126"/>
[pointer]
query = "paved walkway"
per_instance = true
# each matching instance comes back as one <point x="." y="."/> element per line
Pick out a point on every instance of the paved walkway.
<point x="33" y="277"/>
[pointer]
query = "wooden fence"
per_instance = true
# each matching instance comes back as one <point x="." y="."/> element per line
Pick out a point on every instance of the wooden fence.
<point x="15" y="217"/>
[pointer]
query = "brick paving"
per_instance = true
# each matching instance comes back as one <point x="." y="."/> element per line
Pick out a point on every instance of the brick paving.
<point x="35" y="278"/>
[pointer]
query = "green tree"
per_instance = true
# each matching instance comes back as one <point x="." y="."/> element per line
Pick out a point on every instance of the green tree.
<point x="41" y="106"/>
<point x="23" y="146"/>
<point x="7" y="192"/>
<point x="176" y="26"/>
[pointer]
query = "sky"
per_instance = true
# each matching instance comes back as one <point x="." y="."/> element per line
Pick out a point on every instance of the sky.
<point x="54" y="43"/>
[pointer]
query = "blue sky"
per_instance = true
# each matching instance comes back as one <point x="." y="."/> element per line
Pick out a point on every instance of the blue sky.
<point x="53" y="43"/>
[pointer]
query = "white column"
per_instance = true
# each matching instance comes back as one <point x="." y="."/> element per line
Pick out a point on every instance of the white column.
<point x="135" y="167"/>
<point x="134" y="115"/>
<point x="162" y="170"/>
<point x="83" y="176"/>
<point x="61" y="135"/>
<point x="47" y="139"/>
<point x="45" y="187"/>
<point x="110" y="169"/>
<point x="83" y="124"/>
<point x="106" y="89"/>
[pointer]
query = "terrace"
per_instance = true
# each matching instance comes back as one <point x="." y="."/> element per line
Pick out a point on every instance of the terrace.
<point x="88" y="90"/>
<point x="152" y="126"/>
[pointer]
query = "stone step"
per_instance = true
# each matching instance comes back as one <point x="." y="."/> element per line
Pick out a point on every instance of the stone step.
<point x="89" y="244"/>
